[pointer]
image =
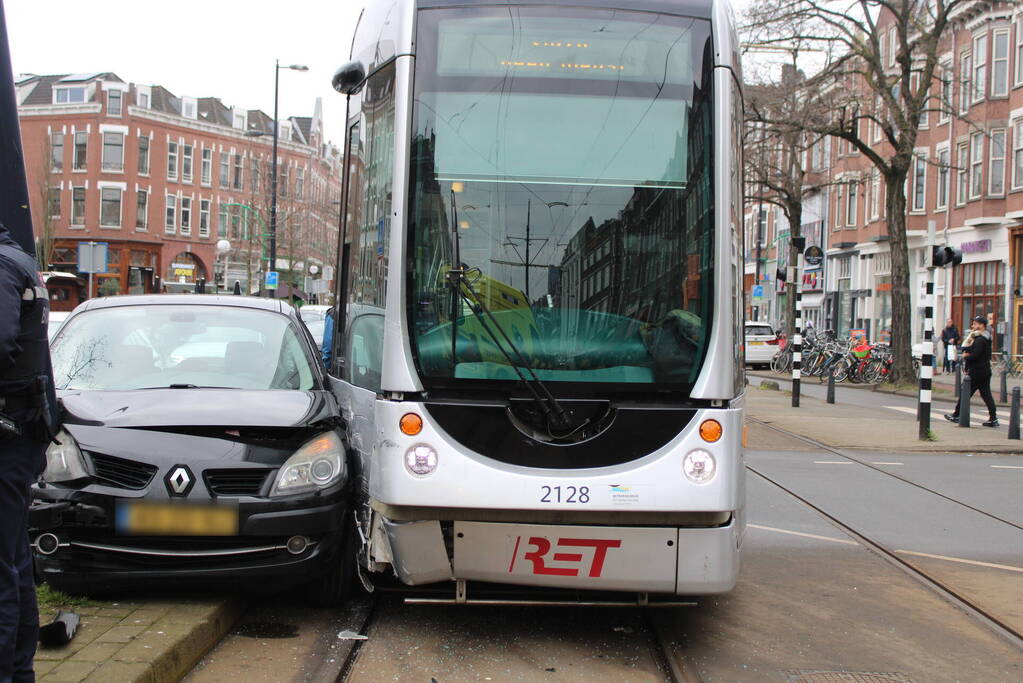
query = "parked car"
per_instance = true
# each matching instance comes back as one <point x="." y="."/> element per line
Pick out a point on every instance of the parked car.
<point x="201" y="443"/>
<point x="761" y="343"/>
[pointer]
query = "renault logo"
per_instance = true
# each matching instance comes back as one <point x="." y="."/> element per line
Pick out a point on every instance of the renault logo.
<point x="179" y="481"/>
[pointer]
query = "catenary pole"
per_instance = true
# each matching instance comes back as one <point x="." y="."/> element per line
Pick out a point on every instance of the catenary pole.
<point x="797" y="335"/>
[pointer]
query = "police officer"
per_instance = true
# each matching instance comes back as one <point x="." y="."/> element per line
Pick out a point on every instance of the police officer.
<point x="28" y="418"/>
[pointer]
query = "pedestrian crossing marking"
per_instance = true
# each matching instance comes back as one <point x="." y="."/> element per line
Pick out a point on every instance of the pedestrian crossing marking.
<point x="1008" y="467"/>
<point x="912" y="411"/>
<point x="832" y="462"/>
<point x="886" y="463"/>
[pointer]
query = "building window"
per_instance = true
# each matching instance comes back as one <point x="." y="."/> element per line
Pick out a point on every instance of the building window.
<point x="945" y="108"/>
<point x="919" y="182"/>
<point x="144" y="155"/>
<point x="850" y="207"/>
<point x="113" y="152"/>
<point x="207" y="167"/>
<point x="110" y="207"/>
<point x="1019" y="51"/>
<point x="172" y="160"/>
<point x="1000" y="63"/>
<point x="188" y="110"/>
<point x="225" y="170"/>
<point x="113" y="103"/>
<point x="78" y="206"/>
<point x="69" y="95"/>
<point x="186" y="163"/>
<point x="965" y="73"/>
<point x="236" y="222"/>
<point x="143" y="100"/>
<point x="254" y="173"/>
<point x="976" y="165"/>
<point x="57" y="151"/>
<point x="53" y="202"/>
<point x="962" y="174"/>
<point x="204" y="218"/>
<point x="996" y="163"/>
<point x="875" y="194"/>
<point x="839" y="212"/>
<point x="299" y="183"/>
<point x="893" y="46"/>
<point x="170" y="222"/>
<point x="979" y="67"/>
<point x="186" y="215"/>
<point x="1017" y="154"/>
<point x="222" y="221"/>
<point x="238" y="168"/>
<point x="141" y="210"/>
<point x="282" y="181"/>
<point x="914" y="85"/>
<point x="943" y="179"/>
<point x="81" y="148"/>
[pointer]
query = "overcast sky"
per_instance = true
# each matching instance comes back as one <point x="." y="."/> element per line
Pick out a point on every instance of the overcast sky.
<point x="200" y="48"/>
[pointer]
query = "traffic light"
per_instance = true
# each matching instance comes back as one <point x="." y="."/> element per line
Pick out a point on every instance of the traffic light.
<point x="946" y="256"/>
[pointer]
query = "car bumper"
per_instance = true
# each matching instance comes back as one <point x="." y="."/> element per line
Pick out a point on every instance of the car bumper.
<point x="760" y="354"/>
<point x="84" y="550"/>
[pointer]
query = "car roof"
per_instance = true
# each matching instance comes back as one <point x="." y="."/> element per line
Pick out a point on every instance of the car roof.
<point x="274" y="305"/>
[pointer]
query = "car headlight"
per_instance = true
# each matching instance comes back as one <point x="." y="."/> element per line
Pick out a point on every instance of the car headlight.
<point x="64" y="460"/>
<point x="316" y="465"/>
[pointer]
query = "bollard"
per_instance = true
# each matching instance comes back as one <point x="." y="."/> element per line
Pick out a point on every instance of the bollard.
<point x="964" y="403"/>
<point x="831" y="386"/>
<point x="1003" y="394"/>
<point x="959" y="378"/>
<point x="1014" y="415"/>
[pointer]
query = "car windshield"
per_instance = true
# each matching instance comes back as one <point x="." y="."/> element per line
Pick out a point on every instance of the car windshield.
<point x="159" y="346"/>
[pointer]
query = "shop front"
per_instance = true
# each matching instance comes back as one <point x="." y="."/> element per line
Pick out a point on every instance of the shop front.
<point x="978" y="289"/>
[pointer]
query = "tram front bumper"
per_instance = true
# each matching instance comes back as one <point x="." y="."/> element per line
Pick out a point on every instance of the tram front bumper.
<point x="684" y="561"/>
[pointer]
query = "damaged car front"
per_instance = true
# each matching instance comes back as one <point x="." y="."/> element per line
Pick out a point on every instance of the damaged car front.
<point x="200" y="444"/>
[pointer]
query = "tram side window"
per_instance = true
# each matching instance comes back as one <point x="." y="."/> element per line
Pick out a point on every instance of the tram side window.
<point x="369" y="222"/>
<point x="364" y="352"/>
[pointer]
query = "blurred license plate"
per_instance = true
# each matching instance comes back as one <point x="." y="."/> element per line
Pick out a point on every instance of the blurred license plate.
<point x="168" y="519"/>
<point x="756" y="343"/>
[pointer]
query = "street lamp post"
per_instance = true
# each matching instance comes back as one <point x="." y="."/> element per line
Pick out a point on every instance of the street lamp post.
<point x="273" y="159"/>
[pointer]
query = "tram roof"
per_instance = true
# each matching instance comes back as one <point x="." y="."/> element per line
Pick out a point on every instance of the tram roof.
<point x="689" y="8"/>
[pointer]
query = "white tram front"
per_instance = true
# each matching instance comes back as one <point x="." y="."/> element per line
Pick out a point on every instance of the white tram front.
<point x="540" y="346"/>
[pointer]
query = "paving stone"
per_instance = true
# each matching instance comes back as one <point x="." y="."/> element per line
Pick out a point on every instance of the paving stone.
<point x="145" y="615"/>
<point x="146" y="647"/>
<point x="87" y="611"/>
<point x="122" y="672"/>
<point x="51" y="654"/>
<point x="190" y="613"/>
<point x="43" y="667"/>
<point x="117" y="612"/>
<point x="96" y="652"/>
<point x="69" y="672"/>
<point x="121" y="634"/>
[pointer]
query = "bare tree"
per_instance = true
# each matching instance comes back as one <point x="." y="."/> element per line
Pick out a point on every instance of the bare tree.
<point x="42" y="218"/>
<point x="870" y="86"/>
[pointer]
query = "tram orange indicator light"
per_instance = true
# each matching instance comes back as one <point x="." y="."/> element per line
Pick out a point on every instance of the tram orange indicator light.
<point x="710" y="430"/>
<point x="410" y="424"/>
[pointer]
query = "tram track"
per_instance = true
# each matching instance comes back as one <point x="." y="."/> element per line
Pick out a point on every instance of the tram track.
<point x="942" y="588"/>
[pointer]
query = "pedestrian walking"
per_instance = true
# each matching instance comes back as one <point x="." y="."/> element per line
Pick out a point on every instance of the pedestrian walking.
<point x="951" y="339"/>
<point x="976" y="355"/>
<point x="28" y="419"/>
<point x="327" y="345"/>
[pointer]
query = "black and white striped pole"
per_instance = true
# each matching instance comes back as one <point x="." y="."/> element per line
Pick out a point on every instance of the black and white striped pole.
<point x="797" y="337"/>
<point x="927" y="353"/>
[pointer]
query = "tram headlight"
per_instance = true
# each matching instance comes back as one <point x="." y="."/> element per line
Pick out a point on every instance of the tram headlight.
<point x="316" y="465"/>
<point x="421" y="460"/>
<point x="699" y="466"/>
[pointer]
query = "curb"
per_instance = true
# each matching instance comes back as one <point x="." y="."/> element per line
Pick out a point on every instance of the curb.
<point x="184" y="653"/>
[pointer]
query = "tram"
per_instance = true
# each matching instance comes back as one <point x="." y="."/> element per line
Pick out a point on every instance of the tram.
<point x="539" y="347"/>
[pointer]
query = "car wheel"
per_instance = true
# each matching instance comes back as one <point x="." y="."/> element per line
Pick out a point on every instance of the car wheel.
<point x="337" y="585"/>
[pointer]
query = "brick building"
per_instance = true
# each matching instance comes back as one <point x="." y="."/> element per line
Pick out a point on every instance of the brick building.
<point x="163" y="178"/>
<point x="967" y="177"/>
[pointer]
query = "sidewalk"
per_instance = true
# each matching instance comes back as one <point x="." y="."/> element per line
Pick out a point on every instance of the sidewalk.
<point x="880" y="428"/>
<point x="147" y="640"/>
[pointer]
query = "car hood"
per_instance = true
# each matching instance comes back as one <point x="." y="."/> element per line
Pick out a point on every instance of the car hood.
<point x="197" y="408"/>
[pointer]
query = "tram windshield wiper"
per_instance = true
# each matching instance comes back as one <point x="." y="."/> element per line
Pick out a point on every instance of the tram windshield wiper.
<point x="555" y="416"/>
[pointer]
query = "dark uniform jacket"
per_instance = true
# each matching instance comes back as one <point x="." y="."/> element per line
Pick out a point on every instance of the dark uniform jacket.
<point x="978" y="356"/>
<point x="26" y="377"/>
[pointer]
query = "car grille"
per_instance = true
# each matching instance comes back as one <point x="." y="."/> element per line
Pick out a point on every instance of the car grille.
<point x="247" y="482"/>
<point x="126" y="474"/>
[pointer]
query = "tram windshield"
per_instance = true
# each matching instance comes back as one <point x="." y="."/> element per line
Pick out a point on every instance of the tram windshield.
<point x="563" y="158"/>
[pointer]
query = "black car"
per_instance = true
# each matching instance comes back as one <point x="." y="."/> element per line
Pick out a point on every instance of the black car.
<point x="201" y="443"/>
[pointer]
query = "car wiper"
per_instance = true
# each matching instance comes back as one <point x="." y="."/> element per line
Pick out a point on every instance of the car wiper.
<point x="183" y="386"/>
<point x="553" y="412"/>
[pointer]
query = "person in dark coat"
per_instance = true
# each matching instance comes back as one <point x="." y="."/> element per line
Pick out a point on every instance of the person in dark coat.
<point x="28" y="419"/>
<point x="976" y="358"/>
<point x="950" y="337"/>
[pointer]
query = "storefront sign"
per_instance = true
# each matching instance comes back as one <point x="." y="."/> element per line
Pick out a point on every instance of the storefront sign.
<point x="884" y="287"/>
<point x="183" y="269"/>
<point x="976" y="247"/>
<point x="813" y="256"/>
